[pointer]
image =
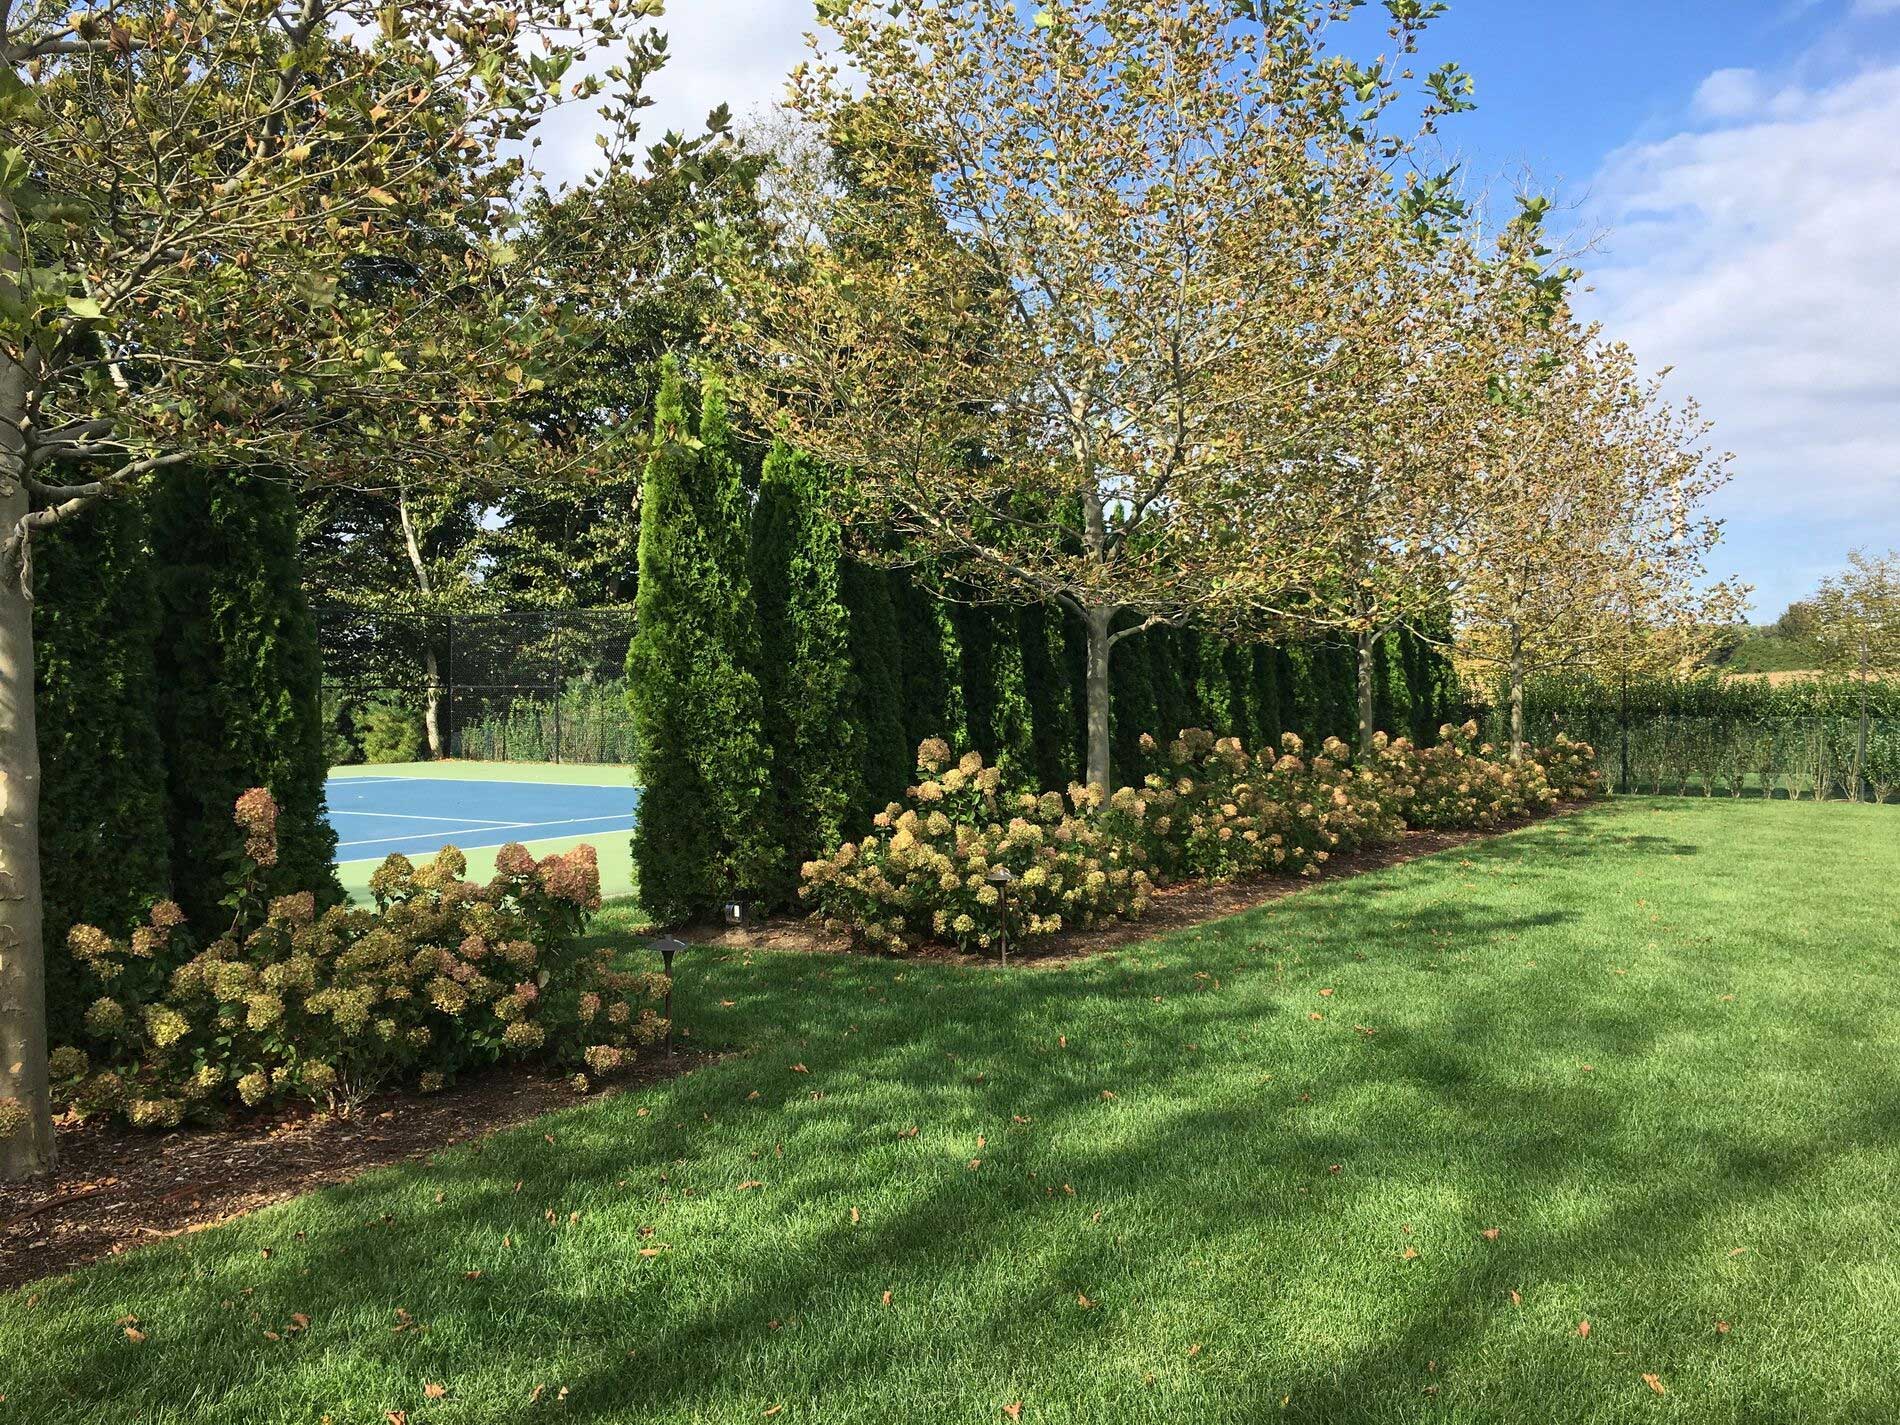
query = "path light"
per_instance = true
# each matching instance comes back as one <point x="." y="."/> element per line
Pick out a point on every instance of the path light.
<point x="1002" y="878"/>
<point x="668" y="948"/>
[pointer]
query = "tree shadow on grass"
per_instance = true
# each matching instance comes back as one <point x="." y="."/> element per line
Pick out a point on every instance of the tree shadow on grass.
<point x="1199" y="1130"/>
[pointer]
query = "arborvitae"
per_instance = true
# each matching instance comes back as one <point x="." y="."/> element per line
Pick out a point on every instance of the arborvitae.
<point x="1048" y="692"/>
<point x="1074" y="646"/>
<point x="1270" y="674"/>
<point x="104" y="841"/>
<point x="929" y="707"/>
<point x="240" y="684"/>
<point x="702" y="834"/>
<point x="1431" y="682"/>
<point x="808" y="697"/>
<point x="1131" y="704"/>
<point x="877" y="666"/>
<point x="1236" y="677"/>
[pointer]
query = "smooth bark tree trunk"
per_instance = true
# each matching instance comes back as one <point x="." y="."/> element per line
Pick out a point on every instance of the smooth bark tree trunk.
<point x="1517" y="705"/>
<point x="1098" y="620"/>
<point x="432" y="704"/>
<point x="25" y="1098"/>
<point x="1367" y="647"/>
<point x="431" y="668"/>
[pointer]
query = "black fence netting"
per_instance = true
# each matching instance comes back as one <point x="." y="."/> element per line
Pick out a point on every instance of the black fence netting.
<point x="527" y="685"/>
<point x="1818" y="740"/>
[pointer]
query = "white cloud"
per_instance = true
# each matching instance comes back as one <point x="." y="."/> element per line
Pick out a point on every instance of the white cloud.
<point x="1729" y="94"/>
<point x="1760" y="259"/>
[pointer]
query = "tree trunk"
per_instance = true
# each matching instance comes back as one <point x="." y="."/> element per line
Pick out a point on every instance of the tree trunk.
<point x="432" y="703"/>
<point x="1517" y="704"/>
<point x="26" y="1121"/>
<point x="1367" y="712"/>
<point x="1097" y="620"/>
<point x="431" y="668"/>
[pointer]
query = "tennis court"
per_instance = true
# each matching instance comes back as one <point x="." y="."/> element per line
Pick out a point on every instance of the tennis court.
<point x="416" y="809"/>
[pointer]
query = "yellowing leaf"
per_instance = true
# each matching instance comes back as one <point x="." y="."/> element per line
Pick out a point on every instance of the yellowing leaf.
<point x="1654" y="1383"/>
<point x="1583" y="1328"/>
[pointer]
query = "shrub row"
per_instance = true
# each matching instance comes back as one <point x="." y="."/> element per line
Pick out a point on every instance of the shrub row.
<point x="1207" y="809"/>
<point x="329" y="1005"/>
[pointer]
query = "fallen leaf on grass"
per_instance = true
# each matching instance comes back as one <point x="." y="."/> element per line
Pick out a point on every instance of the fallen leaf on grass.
<point x="1654" y="1383"/>
<point x="1409" y="1253"/>
<point x="768" y="1414"/>
<point x="800" y="1069"/>
<point x="854" y="1215"/>
<point x="887" y="1298"/>
<point x="435" y="1391"/>
<point x="1583" y="1328"/>
<point x="1107" y="1094"/>
<point x="1325" y="992"/>
<point x="1721" y="1328"/>
<point x="1014" y="1410"/>
<point x="1738" y="1251"/>
<point x="975" y="1163"/>
<point x="1083" y="1302"/>
<point x="749" y="1184"/>
<point x="727" y="1003"/>
<point x="653" y="1251"/>
<point x="1315" y="1015"/>
<point x="1516" y="1300"/>
<point x="1194" y="1350"/>
<point x="1490" y="1234"/>
<point x="134" y="1335"/>
<point x="299" y="1322"/>
<point x="396" y="1417"/>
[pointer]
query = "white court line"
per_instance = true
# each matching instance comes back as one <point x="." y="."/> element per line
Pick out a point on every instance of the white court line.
<point x="410" y="816"/>
<point x="485" y="781"/>
<point x="501" y="826"/>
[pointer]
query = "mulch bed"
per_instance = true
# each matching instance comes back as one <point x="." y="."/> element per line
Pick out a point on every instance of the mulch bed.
<point x="1177" y="907"/>
<point x="117" y="1187"/>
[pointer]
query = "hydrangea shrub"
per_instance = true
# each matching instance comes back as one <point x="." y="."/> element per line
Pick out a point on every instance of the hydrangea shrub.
<point x="1206" y="809"/>
<point x="440" y="976"/>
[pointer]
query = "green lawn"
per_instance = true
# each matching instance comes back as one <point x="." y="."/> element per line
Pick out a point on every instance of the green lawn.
<point x="1652" y="1045"/>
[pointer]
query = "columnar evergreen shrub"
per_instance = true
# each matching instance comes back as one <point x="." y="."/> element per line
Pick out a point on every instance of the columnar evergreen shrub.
<point x="1049" y="692"/>
<point x="291" y="1002"/>
<point x="105" y="846"/>
<point x="809" y="698"/>
<point x="239" y="680"/>
<point x="931" y="708"/>
<point x="877" y="669"/>
<point x="703" y="832"/>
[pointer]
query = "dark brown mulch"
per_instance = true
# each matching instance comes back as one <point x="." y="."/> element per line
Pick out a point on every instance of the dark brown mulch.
<point x="117" y="1187"/>
<point x="1176" y="907"/>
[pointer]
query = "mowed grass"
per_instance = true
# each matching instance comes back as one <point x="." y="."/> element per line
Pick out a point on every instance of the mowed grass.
<point x="1652" y="1046"/>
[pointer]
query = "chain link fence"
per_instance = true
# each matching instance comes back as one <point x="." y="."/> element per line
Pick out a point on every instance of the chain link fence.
<point x="533" y="685"/>
<point x="1853" y="759"/>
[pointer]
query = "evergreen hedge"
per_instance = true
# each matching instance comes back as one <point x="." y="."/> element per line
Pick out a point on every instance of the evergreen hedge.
<point x="805" y="675"/>
<point x="703" y="832"/>
<point x="105" y="845"/>
<point x="239" y="684"/>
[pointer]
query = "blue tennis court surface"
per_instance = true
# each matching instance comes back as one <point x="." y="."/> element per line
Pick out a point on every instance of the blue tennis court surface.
<point x="418" y="816"/>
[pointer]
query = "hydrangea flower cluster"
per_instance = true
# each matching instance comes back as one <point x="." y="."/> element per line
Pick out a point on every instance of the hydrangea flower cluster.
<point x="442" y="975"/>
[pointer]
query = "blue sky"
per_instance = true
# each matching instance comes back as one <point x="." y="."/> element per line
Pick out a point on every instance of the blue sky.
<point x="1731" y="170"/>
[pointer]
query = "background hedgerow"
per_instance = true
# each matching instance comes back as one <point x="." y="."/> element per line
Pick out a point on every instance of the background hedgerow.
<point x="1206" y="809"/>
<point x="291" y="1002"/>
